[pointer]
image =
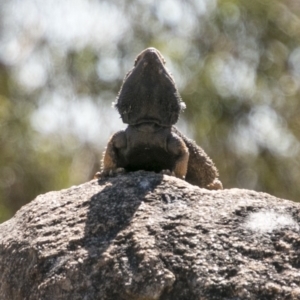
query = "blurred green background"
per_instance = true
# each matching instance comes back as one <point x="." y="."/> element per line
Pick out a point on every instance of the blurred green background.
<point x="236" y="64"/>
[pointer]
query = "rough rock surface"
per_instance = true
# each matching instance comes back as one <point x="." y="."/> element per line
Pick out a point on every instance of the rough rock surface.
<point x="148" y="236"/>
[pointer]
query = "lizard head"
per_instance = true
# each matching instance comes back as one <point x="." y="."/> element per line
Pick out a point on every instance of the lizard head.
<point x="149" y="92"/>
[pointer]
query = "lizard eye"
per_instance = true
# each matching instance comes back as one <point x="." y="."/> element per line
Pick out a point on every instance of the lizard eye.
<point x="162" y="58"/>
<point x="137" y="59"/>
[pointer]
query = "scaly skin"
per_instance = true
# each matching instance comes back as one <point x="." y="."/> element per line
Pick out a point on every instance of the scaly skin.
<point x="150" y="104"/>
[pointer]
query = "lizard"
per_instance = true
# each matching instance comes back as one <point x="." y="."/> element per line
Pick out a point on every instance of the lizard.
<point x="149" y="102"/>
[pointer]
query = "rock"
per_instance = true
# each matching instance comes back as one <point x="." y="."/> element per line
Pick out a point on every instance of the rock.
<point x="146" y="236"/>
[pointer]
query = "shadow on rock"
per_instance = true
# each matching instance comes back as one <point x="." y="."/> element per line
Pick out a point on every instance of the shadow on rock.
<point x="111" y="210"/>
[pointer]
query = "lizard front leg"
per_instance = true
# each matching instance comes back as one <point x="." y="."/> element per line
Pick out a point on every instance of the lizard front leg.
<point x="177" y="147"/>
<point x="109" y="163"/>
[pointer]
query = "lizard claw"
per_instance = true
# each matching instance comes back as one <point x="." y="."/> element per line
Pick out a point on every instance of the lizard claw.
<point x="109" y="173"/>
<point x="167" y="172"/>
<point x="215" y="185"/>
<point x="98" y="175"/>
<point x="115" y="172"/>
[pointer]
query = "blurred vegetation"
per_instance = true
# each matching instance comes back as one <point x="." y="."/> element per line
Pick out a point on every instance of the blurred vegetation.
<point x="236" y="63"/>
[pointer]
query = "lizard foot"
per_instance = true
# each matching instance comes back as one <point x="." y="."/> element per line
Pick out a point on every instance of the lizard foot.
<point x="167" y="172"/>
<point x="109" y="173"/>
<point x="215" y="185"/>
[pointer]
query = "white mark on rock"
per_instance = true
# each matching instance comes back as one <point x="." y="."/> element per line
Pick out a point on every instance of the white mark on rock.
<point x="267" y="221"/>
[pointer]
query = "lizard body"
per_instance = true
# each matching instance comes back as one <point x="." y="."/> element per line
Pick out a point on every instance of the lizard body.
<point x="150" y="104"/>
